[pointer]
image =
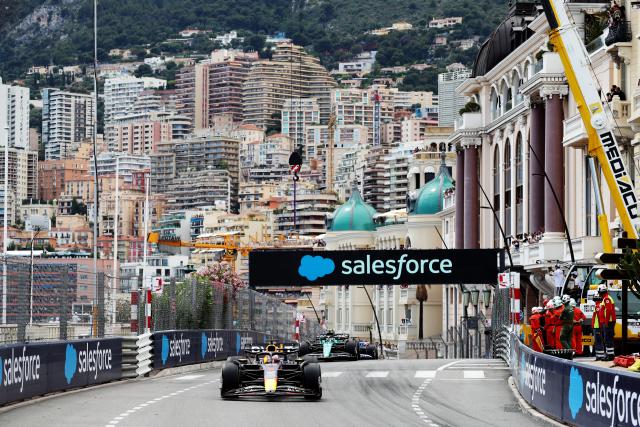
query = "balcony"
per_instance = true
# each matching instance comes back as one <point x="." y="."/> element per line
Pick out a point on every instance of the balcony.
<point x="469" y="121"/>
<point x="575" y="134"/>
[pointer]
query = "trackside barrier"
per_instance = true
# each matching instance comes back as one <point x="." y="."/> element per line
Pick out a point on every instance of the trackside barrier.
<point x="502" y="344"/>
<point x="186" y="347"/>
<point x="28" y="370"/>
<point x="137" y="354"/>
<point x="575" y="393"/>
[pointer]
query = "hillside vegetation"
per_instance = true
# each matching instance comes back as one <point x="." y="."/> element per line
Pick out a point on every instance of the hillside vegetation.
<point x="43" y="32"/>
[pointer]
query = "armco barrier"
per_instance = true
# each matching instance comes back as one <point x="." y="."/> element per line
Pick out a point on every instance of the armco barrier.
<point x="186" y="347"/>
<point x="136" y="355"/>
<point x="28" y="370"/>
<point x="575" y="393"/>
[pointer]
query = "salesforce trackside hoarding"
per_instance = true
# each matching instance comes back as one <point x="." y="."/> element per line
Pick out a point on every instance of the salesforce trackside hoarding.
<point x="576" y="393"/>
<point x="186" y="347"/>
<point x="28" y="370"/>
<point x="373" y="267"/>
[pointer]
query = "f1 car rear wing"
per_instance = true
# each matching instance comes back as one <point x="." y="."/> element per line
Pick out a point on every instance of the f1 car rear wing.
<point x="282" y="348"/>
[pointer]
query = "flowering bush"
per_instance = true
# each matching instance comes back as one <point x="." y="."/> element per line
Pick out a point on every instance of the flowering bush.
<point x="221" y="274"/>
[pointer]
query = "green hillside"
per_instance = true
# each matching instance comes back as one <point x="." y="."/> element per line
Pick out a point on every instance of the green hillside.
<point x="42" y="32"/>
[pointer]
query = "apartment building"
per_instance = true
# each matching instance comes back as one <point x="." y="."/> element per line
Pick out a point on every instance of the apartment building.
<point x="67" y="120"/>
<point x="290" y="74"/>
<point x="311" y="209"/>
<point x="297" y="115"/>
<point x="450" y="101"/>
<point x="201" y="189"/>
<point x="213" y="87"/>
<point x="140" y="132"/>
<point x="120" y="95"/>
<point x="203" y="151"/>
<point x="52" y="175"/>
<point x="358" y="107"/>
<point x="14" y="115"/>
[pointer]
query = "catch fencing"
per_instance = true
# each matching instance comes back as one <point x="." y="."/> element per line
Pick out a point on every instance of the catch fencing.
<point x="53" y="299"/>
<point x="59" y="299"/>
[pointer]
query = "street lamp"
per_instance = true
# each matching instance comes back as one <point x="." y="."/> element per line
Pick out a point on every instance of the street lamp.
<point x="375" y="314"/>
<point x="486" y="298"/>
<point x="475" y="294"/>
<point x="465" y="302"/>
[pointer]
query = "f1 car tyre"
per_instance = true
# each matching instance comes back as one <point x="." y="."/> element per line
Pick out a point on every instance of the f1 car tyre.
<point x="311" y="380"/>
<point x="309" y="359"/>
<point x="305" y="348"/>
<point x="230" y="377"/>
<point x="351" y="347"/>
<point x="372" y="350"/>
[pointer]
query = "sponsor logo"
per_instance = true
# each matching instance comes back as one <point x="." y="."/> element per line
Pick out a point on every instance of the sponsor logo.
<point x="176" y="347"/>
<point x="396" y="267"/>
<point x="313" y="267"/>
<point x="532" y="377"/>
<point x="19" y="369"/>
<point x="575" y="392"/>
<point x="242" y="342"/>
<point x="211" y="344"/>
<point x="608" y="401"/>
<point x="91" y="360"/>
<point x="70" y="362"/>
<point x="623" y="181"/>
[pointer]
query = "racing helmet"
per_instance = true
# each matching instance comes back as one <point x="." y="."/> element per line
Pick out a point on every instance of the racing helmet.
<point x="572" y="302"/>
<point x="602" y="289"/>
<point x="566" y="298"/>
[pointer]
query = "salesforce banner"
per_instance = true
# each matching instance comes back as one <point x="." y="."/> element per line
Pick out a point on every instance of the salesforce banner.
<point x="29" y="370"/>
<point x="373" y="267"/>
<point x="576" y="393"/>
<point x="186" y="347"/>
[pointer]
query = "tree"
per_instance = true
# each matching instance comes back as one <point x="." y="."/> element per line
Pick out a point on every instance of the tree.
<point x="422" y="295"/>
<point x="144" y="70"/>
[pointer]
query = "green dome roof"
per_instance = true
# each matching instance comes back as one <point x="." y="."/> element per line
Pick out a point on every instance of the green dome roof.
<point x="429" y="199"/>
<point x="354" y="215"/>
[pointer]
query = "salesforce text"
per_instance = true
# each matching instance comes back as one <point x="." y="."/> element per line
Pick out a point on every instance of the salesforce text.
<point x="612" y="403"/>
<point x="397" y="266"/>
<point x="20" y="369"/>
<point x="95" y="360"/>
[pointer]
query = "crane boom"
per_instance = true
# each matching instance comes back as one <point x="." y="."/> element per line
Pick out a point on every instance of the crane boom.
<point x="565" y="38"/>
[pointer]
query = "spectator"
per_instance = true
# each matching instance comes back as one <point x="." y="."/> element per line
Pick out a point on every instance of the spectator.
<point x="616" y="91"/>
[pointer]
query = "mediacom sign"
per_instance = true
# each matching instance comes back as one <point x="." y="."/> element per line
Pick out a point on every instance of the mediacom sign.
<point x="373" y="267"/>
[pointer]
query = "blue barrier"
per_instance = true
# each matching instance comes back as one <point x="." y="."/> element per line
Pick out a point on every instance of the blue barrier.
<point x="186" y="347"/>
<point x="28" y="370"/>
<point x="575" y="393"/>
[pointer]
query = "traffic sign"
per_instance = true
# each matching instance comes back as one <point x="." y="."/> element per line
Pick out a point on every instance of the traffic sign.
<point x="624" y="243"/>
<point x="611" y="274"/>
<point x="609" y="258"/>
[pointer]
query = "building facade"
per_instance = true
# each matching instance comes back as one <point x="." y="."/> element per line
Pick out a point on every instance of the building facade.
<point x="67" y="120"/>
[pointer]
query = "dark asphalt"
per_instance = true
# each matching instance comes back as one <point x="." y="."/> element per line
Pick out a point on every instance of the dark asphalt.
<point x="365" y="393"/>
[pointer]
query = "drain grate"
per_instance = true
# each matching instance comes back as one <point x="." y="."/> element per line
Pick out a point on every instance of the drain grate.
<point x="512" y="408"/>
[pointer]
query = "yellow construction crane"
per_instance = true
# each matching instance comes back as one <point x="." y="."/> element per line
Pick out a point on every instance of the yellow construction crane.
<point x="231" y="245"/>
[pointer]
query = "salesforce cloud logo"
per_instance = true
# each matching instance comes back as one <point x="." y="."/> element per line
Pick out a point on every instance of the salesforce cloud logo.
<point x="165" y="349"/>
<point x="70" y="363"/>
<point x="203" y="345"/>
<point x="313" y="267"/>
<point x="575" y="392"/>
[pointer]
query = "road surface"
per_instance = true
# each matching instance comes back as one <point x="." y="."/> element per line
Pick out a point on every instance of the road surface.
<point x="364" y="393"/>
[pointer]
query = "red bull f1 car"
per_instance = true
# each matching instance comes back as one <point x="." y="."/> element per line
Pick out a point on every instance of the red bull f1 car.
<point x="271" y="371"/>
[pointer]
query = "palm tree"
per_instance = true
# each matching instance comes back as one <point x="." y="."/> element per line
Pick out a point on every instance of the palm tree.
<point x="422" y="296"/>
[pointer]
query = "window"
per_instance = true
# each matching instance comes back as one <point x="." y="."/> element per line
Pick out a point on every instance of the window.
<point x="507" y="188"/>
<point x="519" y="226"/>
<point x="496" y="194"/>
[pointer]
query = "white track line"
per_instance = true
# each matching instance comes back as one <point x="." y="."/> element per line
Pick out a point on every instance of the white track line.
<point x="140" y="406"/>
<point x="415" y="400"/>
<point x="425" y="374"/>
<point x="331" y="374"/>
<point x="473" y="374"/>
<point x="377" y="374"/>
